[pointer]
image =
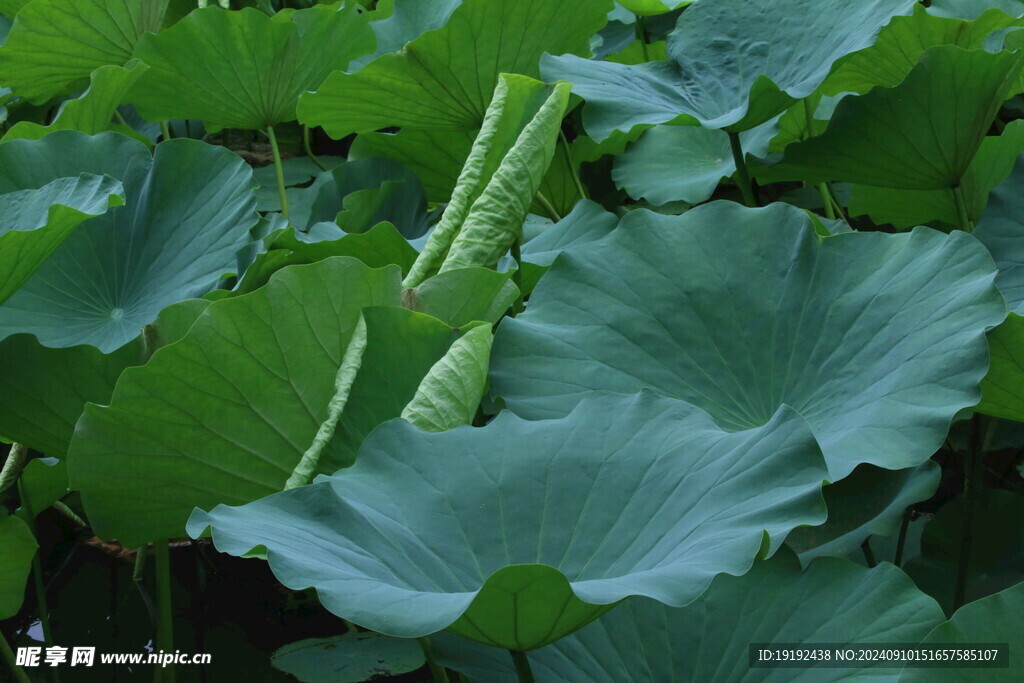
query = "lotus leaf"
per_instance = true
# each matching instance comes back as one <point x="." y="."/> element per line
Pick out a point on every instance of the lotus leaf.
<point x="38" y="220"/>
<point x="713" y="307"/>
<point x="881" y="138"/>
<point x="992" y="620"/>
<point x="733" y="64"/>
<point x="646" y="642"/>
<point x="19" y="549"/>
<point x="55" y="45"/>
<point x="519" y="533"/>
<point x="91" y="113"/>
<point x="189" y="211"/>
<point x="178" y="434"/>
<point x="429" y="86"/>
<point x="245" y="69"/>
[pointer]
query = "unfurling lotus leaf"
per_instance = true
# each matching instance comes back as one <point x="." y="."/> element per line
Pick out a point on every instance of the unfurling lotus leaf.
<point x="876" y="339"/>
<point x="520" y="532"/>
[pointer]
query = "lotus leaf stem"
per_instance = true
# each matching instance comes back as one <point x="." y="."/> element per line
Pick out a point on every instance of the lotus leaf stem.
<point x="16" y="671"/>
<point x="641" y="35"/>
<point x="548" y="206"/>
<point x="278" y="170"/>
<point x="972" y="482"/>
<point x="901" y="541"/>
<point x="309" y="149"/>
<point x="436" y="670"/>
<point x="522" y="663"/>
<point x="37" y="566"/>
<point x="138" y="578"/>
<point x="742" y="174"/>
<point x="567" y="152"/>
<point x="165" y="632"/>
<point x="869" y="554"/>
<point x="961" y="209"/>
<point x="165" y="130"/>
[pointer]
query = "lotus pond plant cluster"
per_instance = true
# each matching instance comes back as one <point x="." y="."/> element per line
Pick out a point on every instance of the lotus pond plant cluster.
<point x="510" y="340"/>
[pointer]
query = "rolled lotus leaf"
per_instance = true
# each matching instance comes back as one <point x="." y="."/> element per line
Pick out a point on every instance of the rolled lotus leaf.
<point x="878" y="340"/>
<point x="519" y="533"/>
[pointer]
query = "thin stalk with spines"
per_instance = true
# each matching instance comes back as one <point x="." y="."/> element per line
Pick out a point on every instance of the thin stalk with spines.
<point x="522" y="664"/>
<point x="436" y="670"/>
<point x="641" y="35"/>
<point x="12" y="663"/>
<point x="742" y="174"/>
<point x="974" y="481"/>
<point x="869" y="555"/>
<point x="278" y="170"/>
<point x="165" y="631"/>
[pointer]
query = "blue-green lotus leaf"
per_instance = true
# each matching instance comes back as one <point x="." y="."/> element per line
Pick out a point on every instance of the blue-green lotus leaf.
<point x="993" y="619"/>
<point x="1001" y="229"/>
<point x="643" y="641"/>
<point x="189" y="208"/>
<point x="518" y="533"/>
<point x="731" y="63"/>
<point x="37" y="220"/>
<point x="876" y="339"/>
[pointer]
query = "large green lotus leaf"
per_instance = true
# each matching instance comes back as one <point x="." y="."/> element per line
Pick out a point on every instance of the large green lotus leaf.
<point x="994" y="619"/>
<point x="518" y="533"/>
<point x="450" y="392"/>
<point x="10" y="8"/>
<point x="458" y="297"/>
<point x="683" y="163"/>
<point x="44" y="390"/>
<point x="91" y="113"/>
<point x="189" y="211"/>
<point x="225" y="413"/>
<point x="55" y="45"/>
<point x="378" y="247"/>
<point x="907" y="208"/>
<point x="245" y="69"/>
<point x="36" y="221"/>
<point x="430" y="85"/>
<point x="901" y="44"/>
<point x="402" y="347"/>
<point x="15" y="562"/>
<point x="1001" y="229"/>
<point x="713" y="307"/>
<point x="997" y="548"/>
<point x="869" y="502"/>
<point x="643" y="641"/>
<point x="732" y="63"/>
<point x="500" y="178"/>
<point x="918" y="135"/>
<point x="1002" y="390"/>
